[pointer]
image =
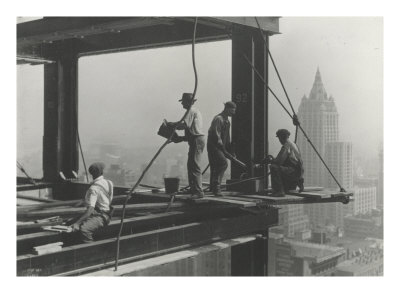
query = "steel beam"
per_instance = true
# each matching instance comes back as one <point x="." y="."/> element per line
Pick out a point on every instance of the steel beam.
<point x="249" y="125"/>
<point x="60" y="147"/>
<point x="143" y="245"/>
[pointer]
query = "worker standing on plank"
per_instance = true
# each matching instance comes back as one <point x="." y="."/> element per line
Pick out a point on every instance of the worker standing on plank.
<point x="192" y="124"/>
<point x="218" y="143"/>
<point x="98" y="200"/>
<point x="287" y="168"/>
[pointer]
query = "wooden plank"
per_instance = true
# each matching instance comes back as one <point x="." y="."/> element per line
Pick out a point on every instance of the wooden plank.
<point x="230" y="201"/>
<point x="56" y="203"/>
<point x="306" y="189"/>
<point x="32" y="225"/>
<point x="244" y="199"/>
<point x="39" y="199"/>
<point x="37" y="186"/>
<point x="27" y="241"/>
<point x="310" y="195"/>
<point x="73" y="211"/>
<point x="143" y="244"/>
<point x="269" y="198"/>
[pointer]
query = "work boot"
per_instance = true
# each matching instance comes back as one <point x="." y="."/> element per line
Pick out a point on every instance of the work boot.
<point x="197" y="196"/>
<point x="217" y="192"/>
<point x="301" y="185"/>
<point x="185" y="192"/>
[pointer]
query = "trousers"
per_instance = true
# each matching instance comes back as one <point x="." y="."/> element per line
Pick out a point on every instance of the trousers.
<point x="196" y="147"/>
<point x="90" y="225"/>
<point x="218" y="166"/>
<point x="284" y="178"/>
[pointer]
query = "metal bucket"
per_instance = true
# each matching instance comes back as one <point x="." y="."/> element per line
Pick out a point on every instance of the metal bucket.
<point x="171" y="184"/>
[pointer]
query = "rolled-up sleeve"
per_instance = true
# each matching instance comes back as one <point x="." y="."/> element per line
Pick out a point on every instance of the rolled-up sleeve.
<point x="91" y="197"/>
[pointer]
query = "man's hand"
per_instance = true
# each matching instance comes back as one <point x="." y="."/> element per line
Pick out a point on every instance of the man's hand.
<point x="258" y="166"/>
<point x="75" y="227"/>
<point x="268" y="159"/>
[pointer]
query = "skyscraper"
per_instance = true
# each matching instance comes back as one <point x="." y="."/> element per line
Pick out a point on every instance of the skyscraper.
<point x="339" y="158"/>
<point x="319" y="118"/>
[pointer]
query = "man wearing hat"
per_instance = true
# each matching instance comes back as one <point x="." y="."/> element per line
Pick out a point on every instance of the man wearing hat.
<point x="98" y="204"/>
<point x="218" y="143"/>
<point x="192" y="124"/>
<point x="287" y="168"/>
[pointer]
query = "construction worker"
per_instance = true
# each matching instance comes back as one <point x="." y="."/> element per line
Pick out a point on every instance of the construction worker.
<point x="218" y="143"/>
<point x="98" y="204"/>
<point x="192" y="124"/>
<point x="287" y="168"/>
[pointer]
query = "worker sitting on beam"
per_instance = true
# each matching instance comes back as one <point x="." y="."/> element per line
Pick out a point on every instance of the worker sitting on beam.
<point x="192" y="124"/>
<point x="287" y="168"/>
<point x="98" y="200"/>
<point x="218" y="145"/>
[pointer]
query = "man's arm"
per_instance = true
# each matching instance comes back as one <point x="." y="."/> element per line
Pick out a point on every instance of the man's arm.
<point x="90" y="200"/>
<point x="282" y="156"/>
<point x="86" y="215"/>
<point x="216" y="130"/>
<point x="180" y="125"/>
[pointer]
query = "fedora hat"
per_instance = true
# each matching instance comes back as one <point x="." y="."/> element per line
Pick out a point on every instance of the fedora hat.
<point x="186" y="97"/>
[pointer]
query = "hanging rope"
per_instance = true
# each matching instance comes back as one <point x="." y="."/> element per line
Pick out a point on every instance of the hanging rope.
<point x="299" y="126"/>
<point x="296" y="122"/>
<point x="19" y="166"/>
<point x="83" y="158"/>
<point x="131" y="192"/>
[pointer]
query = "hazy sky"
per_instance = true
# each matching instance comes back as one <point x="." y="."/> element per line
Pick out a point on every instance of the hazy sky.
<point x="124" y="97"/>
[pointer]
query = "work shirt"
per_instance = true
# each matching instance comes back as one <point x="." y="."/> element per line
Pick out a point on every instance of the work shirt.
<point x="193" y="123"/>
<point x="289" y="155"/>
<point x="100" y="194"/>
<point x="219" y="131"/>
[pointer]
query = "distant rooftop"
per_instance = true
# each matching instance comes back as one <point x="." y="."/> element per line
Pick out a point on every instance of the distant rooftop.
<point x="316" y="252"/>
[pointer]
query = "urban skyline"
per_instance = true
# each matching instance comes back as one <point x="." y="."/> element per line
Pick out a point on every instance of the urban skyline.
<point x="126" y="143"/>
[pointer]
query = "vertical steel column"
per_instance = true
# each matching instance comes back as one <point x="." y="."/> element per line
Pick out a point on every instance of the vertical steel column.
<point x="261" y="103"/>
<point x="60" y="147"/>
<point x="249" y="125"/>
<point x="51" y="161"/>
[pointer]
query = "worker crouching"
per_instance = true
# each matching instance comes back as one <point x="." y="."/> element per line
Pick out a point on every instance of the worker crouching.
<point x="218" y="143"/>
<point x="98" y="200"/>
<point x="192" y="125"/>
<point x="287" y="168"/>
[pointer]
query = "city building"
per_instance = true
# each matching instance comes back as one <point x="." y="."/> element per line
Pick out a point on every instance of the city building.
<point x="368" y="263"/>
<point x="292" y="220"/>
<point x="320" y="120"/>
<point x="119" y="176"/>
<point x="363" y="226"/>
<point x="364" y="201"/>
<point x="379" y="192"/>
<point x="339" y="158"/>
<point x="288" y="257"/>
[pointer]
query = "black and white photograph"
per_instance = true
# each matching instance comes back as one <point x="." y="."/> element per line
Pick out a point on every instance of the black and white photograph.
<point x="202" y="145"/>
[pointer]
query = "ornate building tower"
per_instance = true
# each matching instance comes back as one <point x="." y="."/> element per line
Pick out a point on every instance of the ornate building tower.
<point x="319" y="118"/>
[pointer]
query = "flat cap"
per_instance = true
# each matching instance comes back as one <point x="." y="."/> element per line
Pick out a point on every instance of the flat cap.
<point x="96" y="169"/>
<point x="230" y="104"/>
<point x="282" y="132"/>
